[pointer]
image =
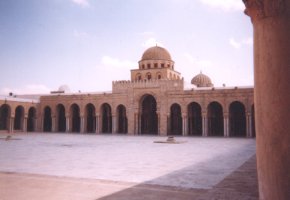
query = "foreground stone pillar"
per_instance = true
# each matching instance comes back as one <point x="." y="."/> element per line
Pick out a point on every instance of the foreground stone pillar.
<point x="271" y="21"/>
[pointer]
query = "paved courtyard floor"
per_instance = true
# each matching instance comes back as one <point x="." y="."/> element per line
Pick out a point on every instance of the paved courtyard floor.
<point x="83" y="166"/>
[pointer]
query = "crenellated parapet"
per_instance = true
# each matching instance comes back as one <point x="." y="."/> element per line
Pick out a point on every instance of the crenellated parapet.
<point x="164" y="84"/>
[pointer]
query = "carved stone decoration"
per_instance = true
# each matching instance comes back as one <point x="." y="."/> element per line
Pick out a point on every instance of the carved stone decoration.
<point x="259" y="9"/>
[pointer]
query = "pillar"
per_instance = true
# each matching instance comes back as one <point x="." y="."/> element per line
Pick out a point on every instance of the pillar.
<point x="249" y="125"/>
<point x="11" y="125"/>
<point x="82" y="119"/>
<point x="67" y="119"/>
<point x="53" y="124"/>
<point x="184" y="125"/>
<point x="97" y="123"/>
<point x="271" y="22"/>
<point x="25" y="123"/>
<point x="226" y="125"/>
<point x="204" y="125"/>
<point x="114" y="124"/>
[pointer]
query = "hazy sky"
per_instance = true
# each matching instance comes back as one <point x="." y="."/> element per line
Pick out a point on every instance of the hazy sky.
<point x="86" y="44"/>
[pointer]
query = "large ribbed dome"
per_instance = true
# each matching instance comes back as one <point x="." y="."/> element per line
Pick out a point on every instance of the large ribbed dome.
<point x="156" y="53"/>
<point x="201" y="80"/>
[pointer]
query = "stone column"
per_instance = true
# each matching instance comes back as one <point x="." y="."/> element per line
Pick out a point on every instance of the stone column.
<point x="271" y="22"/>
<point x="82" y="120"/>
<point x="25" y="123"/>
<point x="204" y="125"/>
<point x="53" y="124"/>
<point x="67" y="119"/>
<point x="11" y="125"/>
<point x="97" y="123"/>
<point x="114" y="124"/>
<point x="184" y="125"/>
<point x="226" y="125"/>
<point x="249" y="125"/>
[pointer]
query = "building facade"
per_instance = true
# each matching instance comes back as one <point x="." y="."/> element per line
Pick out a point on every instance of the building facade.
<point x="153" y="102"/>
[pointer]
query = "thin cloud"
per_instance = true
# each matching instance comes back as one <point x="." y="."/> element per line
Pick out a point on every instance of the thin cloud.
<point x="200" y="64"/>
<point x="238" y="44"/>
<point x="27" y="89"/>
<point x="226" y="5"/>
<point x="117" y="63"/>
<point x="150" y="42"/>
<point x="83" y="3"/>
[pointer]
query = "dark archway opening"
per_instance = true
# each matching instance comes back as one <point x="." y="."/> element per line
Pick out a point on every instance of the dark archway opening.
<point x="76" y="120"/>
<point x="31" y="120"/>
<point x="61" y="119"/>
<point x="4" y="117"/>
<point x="90" y="118"/>
<point x="215" y="119"/>
<point x="106" y="118"/>
<point x="175" y="120"/>
<point x="237" y="120"/>
<point x="122" y="119"/>
<point x="253" y="121"/>
<point x="194" y="119"/>
<point x="47" y="121"/>
<point x="19" y="118"/>
<point x="149" y="118"/>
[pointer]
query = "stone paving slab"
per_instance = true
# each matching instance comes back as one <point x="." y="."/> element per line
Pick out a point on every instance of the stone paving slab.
<point x="199" y="163"/>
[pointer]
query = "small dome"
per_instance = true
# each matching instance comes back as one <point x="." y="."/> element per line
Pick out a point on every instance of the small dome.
<point x="64" y="88"/>
<point x="156" y="53"/>
<point x="201" y="80"/>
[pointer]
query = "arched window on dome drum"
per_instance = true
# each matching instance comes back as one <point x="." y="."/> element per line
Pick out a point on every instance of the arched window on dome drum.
<point x="215" y="119"/>
<point x="149" y="76"/>
<point x="237" y="119"/>
<point x="175" y="120"/>
<point x="143" y="66"/>
<point x="162" y="65"/>
<point x="122" y="119"/>
<point x="5" y="113"/>
<point x="47" y="120"/>
<point x="19" y="118"/>
<point x="106" y="118"/>
<point x="31" y="121"/>
<point x="148" y="66"/>
<point x="90" y="118"/>
<point x="138" y="77"/>
<point x="194" y="119"/>
<point x="75" y="118"/>
<point x="155" y="65"/>
<point x="61" y="119"/>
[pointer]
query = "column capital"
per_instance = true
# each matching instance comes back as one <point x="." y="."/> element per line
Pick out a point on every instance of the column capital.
<point x="260" y="9"/>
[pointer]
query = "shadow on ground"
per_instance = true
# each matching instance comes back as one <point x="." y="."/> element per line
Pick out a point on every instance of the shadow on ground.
<point x="239" y="185"/>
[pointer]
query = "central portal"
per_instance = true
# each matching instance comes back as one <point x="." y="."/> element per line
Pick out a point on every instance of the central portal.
<point x="149" y="119"/>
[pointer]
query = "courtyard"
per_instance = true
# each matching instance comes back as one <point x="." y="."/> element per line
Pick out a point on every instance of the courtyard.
<point x="107" y="165"/>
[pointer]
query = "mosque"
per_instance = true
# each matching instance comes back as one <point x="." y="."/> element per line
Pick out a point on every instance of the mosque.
<point x="153" y="102"/>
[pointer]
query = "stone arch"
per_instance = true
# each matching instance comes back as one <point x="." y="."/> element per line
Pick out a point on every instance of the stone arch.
<point x="47" y="119"/>
<point x="158" y="75"/>
<point x="106" y="116"/>
<point x="90" y="117"/>
<point x="194" y="119"/>
<point x="215" y="119"/>
<point x="122" y="121"/>
<point x="31" y="120"/>
<point x="175" y="120"/>
<point x="149" y="117"/>
<point x="148" y="76"/>
<point x="19" y="118"/>
<point x="138" y="77"/>
<point x="75" y="118"/>
<point x="61" y="118"/>
<point x="237" y="119"/>
<point x="253" y="121"/>
<point x="5" y="114"/>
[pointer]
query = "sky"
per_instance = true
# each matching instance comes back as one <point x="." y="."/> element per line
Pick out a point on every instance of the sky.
<point x="87" y="44"/>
